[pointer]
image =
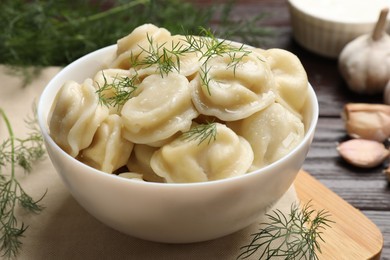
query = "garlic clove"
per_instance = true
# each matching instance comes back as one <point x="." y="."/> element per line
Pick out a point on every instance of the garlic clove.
<point x="367" y="121"/>
<point x="363" y="153"/>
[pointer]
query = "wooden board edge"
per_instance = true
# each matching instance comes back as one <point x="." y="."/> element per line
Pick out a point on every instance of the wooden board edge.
<point x="357" y="237"/>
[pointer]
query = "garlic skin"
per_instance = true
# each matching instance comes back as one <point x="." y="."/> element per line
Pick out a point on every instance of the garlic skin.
<point x="387" y="172"/>
<point x="363" y="153"/>
<point x="367" y="121"/>
<point x="364" y="63"/>
<point x="386" y="94"/>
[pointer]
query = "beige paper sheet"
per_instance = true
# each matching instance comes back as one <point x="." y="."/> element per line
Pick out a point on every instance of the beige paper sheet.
<point x="64" y="230"/>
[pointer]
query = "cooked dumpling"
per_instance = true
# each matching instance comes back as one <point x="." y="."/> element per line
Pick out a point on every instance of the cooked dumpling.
<point x="162" y="108"/>
<point x="109" y="150"/>
<point x="231" y="91"/>
<point x="290" y="77"/>
<point x="175" y="55"/>
<point x="76" y="114"/>
<point x="140" y="162"/>
<point x="114" y="85"/>
<point x="132" y="175"/>
<point x="142" y="41"/>
<point x="193" y="160"/>
<point x="272" y="133"/>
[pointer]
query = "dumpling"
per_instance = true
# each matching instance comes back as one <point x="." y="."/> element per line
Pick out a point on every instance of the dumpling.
<point x="140" y="162"/>
<point x="131" y="175"/>
<point x="193" y="160"/>
<point x="175" y="55"/>
<point x="115" y="86"/>
<point x="76" y="115"/>
<point x="290" y="77"/>
<point x="188" y="60"/>
<point x="142" y="40"/>
<point x="162" y="108"/>
<point x="109" y="150"/>
<point x="272" y="133"/>
<point x="233" y="91"/>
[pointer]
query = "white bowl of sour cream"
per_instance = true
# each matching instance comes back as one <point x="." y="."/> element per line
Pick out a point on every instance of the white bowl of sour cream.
<point x="326" y="26"/>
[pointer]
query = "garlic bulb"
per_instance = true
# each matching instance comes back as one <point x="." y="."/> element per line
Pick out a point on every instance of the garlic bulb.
<point x="364" y="63"/>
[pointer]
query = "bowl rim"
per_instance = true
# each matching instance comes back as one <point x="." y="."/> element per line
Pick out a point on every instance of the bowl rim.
<point x="43" y="125"/>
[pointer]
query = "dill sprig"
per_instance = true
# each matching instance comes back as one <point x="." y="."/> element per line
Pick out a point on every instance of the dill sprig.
<point x="295" y="236"/>
<point x="165" y="58"/>
<point x="16" y="152"/>
<point x="209" y="46"/>
<point x="205" y="77"/>
<point x="117" y="92"/>
<point x="203" y="132"/>
<point x="62" y="31"/>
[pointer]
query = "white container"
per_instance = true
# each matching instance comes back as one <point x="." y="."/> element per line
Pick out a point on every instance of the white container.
<point x="172" y="213"/>
<point x="326" y="26"/>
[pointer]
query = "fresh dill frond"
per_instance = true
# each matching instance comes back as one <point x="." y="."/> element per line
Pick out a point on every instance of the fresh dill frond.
<point x="14" y="152"/>
<point x="236" y="55"/>
<point x="117" y="92"/>
<point x="210" y="46"/>
<point x="165" y="57"/>
<point x="205" y="77"/>
<point x="201" y="133"/>
<point x="292" y="236"/>
<point x="63" y="31"/>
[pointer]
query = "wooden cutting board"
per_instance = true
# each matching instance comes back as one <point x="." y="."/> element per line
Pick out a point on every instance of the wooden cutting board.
<point x="353" y="235"/>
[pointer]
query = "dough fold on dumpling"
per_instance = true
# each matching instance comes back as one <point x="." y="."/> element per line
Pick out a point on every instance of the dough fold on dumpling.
<point x="272" y="133"/>
<point x="132" y="175"/>
<point x="109" y="150"/>
<point x="290" y="77"/>
<point x="189" y="160"/>
<point x="76" y="115"/>
<point x="140" y="162"/>
<point x="116" y="83"/>
<point x="175" y="55"/>
<point x="232" y="89"/>
<point x="142" y="41"/>
<point x="162" y="108"/>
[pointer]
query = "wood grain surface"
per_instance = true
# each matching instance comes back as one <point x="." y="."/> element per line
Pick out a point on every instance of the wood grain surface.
<point x="351" y="235"/>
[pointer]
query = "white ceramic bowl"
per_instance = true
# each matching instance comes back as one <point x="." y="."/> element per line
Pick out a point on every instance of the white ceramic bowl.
<point x="173" y="213"/>
<point x="326" y="26"/>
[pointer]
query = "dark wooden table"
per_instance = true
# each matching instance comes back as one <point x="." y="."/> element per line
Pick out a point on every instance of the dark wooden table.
<point x="365" y="189"/>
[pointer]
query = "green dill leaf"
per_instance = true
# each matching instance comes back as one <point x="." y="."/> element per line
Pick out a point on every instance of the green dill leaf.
<point x="23" y="152"/>
<point x="62" y="31"/>
<point x="205" y="77"/>
<point x="165" y="57"/>
<point x="117" y="92"/>
<point x="28" y="203"/>
<point x="201" y="133"/>
<point x="292" y="236"/>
